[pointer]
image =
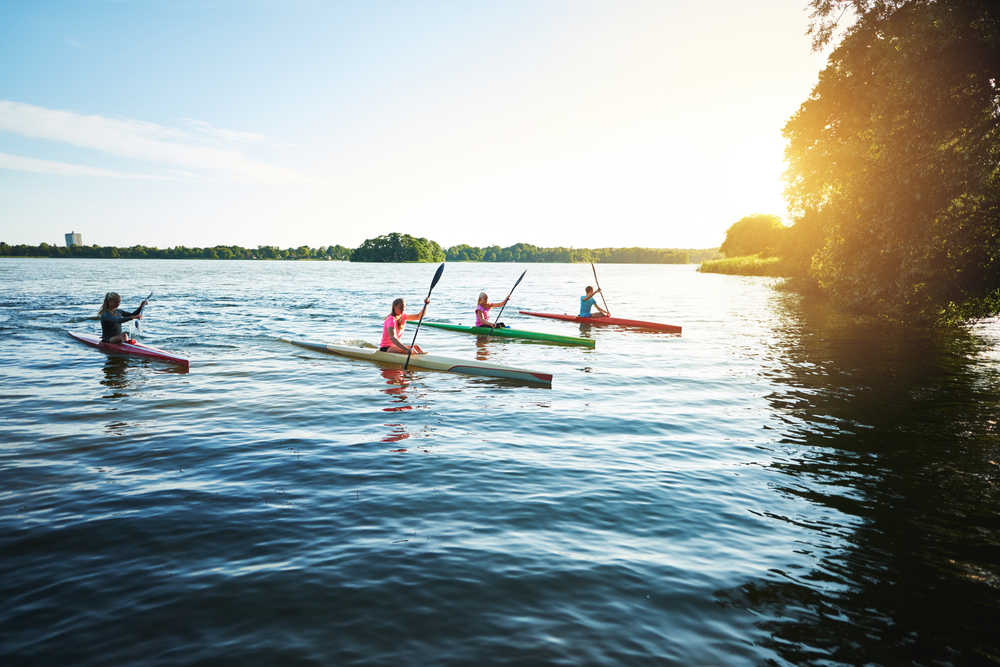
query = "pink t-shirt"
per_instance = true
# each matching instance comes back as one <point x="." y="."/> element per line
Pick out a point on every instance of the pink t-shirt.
<point x="482" y="316"/>
<point x="389" y="328"/>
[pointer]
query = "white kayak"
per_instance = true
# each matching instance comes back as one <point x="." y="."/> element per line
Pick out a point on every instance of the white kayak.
<point x="429" y="361"/>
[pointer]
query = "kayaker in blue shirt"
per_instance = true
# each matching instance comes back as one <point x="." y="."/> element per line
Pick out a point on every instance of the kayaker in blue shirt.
<point x="112" y="318"/>
<point x="587" y="302"/>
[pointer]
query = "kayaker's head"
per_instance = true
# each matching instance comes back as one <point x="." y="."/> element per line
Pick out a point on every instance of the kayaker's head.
<point x="590" y="290"/>
<point x="482" y="298"/>
<point x="111" y="301"/>
<point x="398" y="306"/>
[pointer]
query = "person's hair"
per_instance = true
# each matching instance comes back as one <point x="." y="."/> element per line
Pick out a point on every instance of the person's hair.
<point x="109" y="298"/>
<point x="482" y="297"/>
<point x="395" y="302"/>
<point x="590" y="288"/>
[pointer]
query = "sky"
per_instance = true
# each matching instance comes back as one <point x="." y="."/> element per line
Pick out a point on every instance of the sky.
<point x="577" y="124"/>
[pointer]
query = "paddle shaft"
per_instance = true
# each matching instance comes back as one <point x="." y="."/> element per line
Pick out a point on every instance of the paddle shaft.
<point x="437" y="277"/>
<point x="140" y="310"/>
<point x="598" y="283"/>
<point x="497" y="321"/>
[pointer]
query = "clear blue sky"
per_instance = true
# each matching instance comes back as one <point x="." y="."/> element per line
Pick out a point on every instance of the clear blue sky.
<point x="554" y="123"/>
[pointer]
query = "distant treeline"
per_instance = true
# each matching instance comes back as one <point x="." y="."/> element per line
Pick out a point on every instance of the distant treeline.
<point x="387" y="248"/>
<point x="177" y="252"/>
<point x="525" y="252"/>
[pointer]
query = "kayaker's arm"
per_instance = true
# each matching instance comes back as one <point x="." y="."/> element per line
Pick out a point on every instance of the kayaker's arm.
<point x="137" y="315"/>
<point x="417" y="316"/>
<point x="396" y="342"/>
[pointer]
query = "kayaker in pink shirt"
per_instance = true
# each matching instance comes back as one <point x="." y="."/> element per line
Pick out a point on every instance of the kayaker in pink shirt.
<point x="392" y="328"/>
<point x="483" y="311"/>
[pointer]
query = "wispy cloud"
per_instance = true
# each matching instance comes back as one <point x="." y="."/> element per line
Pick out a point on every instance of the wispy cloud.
<point x="217" y="134"/>
<point x="34" y="165"/>
<point x="140" y="140"/>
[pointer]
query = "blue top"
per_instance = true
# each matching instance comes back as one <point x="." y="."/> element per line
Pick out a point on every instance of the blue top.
<point x="585" y="306"/>
<point x="111" y="322"/>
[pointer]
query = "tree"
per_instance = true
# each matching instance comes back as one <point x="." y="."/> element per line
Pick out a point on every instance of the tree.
<point x="397" y="247"/>
<point x="895" y="154"/>
<point x="752" y="234"/>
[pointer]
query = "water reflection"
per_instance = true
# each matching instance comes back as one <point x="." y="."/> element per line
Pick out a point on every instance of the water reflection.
<point x="117" y="428"/>
<point x="398" y="432"/>
<point x="888" y="443"/>
<point x="482" y="348"/>
<point x="397" y="380"/>
<point x="115" y="376"/>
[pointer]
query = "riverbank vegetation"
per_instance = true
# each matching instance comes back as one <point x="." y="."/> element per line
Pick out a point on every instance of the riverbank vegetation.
<point x="894" y="162"/>
<point x="746" y="265"/>
<point x="177" y="252"/>
<point x="387" y="248"/>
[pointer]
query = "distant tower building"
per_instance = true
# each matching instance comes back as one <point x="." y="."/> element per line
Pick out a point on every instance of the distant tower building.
<point x="74" y="238"/>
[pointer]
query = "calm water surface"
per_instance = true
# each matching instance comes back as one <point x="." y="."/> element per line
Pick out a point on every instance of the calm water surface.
<point x="779" y="484"/>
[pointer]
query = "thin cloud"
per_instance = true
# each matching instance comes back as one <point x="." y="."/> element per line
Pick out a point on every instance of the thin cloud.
<point x="221" y="135"/>
<point x="140" y="140"/>
<point x="34" y="165"/>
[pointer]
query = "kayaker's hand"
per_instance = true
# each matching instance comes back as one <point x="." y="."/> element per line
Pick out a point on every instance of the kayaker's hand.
<point x="427" y="301"/>
<point x="139" y="316"/>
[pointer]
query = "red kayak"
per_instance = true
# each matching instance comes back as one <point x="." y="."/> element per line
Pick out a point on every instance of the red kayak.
<point x="135" y="349"/>
<point x="601" y="319"/>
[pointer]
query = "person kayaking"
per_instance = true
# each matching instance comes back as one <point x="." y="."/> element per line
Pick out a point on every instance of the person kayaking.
<point x="483" y="312"/>
<point x="587" y="302"/>
<point x="112" y="318"/>
<point x="392" y="328"/>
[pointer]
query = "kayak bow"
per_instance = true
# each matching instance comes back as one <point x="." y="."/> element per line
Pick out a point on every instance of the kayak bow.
<point x="514" y="333"/>
<point x="136" y="349"/>
<point x="671" y="328"/>
<point x="428" y="361"/>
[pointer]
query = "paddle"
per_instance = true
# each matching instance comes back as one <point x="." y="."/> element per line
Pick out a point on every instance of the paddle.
<point x="437" y="277"/>
<point x="140" y="310"/>
<point x="497" y="323"/>
<point x="598" y="283"/>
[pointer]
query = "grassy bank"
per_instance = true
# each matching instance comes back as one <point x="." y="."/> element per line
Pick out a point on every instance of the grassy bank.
<point x="747" y="265"/>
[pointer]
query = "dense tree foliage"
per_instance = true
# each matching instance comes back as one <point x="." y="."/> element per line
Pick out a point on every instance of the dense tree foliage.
<point x="753" y="234"/>
<point x="894" y="160"/>
<point x="388" y="248"/>
<point x="398" y="248"/>
<point x="525" y="252"/>
<point x="178" y="252"/>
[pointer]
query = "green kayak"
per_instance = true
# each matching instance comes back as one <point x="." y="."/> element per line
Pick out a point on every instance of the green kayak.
<point x="514" y="333"/>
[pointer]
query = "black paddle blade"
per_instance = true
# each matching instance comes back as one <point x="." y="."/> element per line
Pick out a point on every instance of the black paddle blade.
<point x="519" y="280"/>
<point x="437" y="276"/>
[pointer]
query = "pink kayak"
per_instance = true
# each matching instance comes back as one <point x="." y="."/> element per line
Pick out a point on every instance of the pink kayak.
<point x="135" y="349"/>
<point x="607" y="320"/>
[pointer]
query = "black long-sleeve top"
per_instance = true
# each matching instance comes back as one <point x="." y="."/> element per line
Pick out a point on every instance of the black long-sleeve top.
<point x="111" y="322"/>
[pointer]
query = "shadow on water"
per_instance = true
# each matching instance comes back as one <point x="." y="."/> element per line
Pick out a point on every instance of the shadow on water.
<point x="888" y="461"/>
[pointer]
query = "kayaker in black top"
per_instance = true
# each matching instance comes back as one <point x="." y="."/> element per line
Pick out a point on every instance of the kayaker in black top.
<point x="112" y="318"/>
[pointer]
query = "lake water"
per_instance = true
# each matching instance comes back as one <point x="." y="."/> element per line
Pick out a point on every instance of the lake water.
<point x="779" y="483"/>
